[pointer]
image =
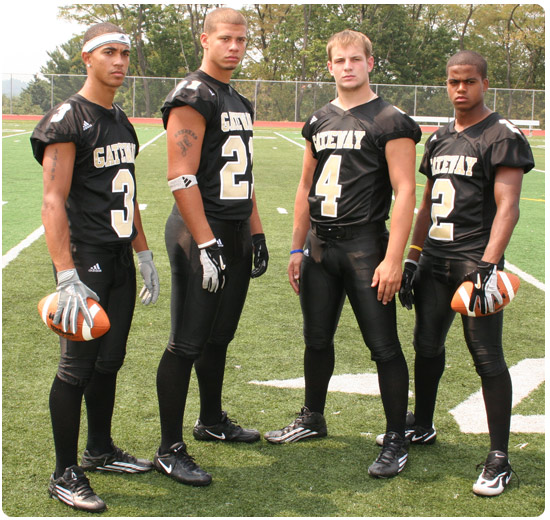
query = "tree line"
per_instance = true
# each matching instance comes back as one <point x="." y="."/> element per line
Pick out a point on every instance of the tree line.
<point x="411" y="42"/>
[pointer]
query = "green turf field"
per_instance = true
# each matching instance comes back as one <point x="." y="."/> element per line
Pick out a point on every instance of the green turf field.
<point x="316" y="478"/>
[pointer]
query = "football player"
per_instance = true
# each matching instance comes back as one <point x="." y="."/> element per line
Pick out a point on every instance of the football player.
<point x="474" y="168"/>
<point x="212" y="236"/>
<point x="87" y="148"/>
<point x="359" y="149"/>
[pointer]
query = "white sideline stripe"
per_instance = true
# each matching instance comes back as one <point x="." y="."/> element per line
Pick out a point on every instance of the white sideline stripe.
<point x="16" y="135"/>
<point x="14" y="251"/>
<point x="290" y="140"/>
<point x="37" y="233"/>
<point x="366" y="384"/>
<point x="526" y="376"/>
<point x="525" y="276"/>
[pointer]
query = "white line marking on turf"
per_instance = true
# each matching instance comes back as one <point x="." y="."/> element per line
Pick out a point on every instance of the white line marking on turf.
<point x="526" y="376"/>
<point x="290" y="140"/>
<point x="14" y="251"/>
<point x="282" y="211"/>
<point x="525" y="276"/>
<point x="366" y="384"/>
<point x="16" y="135"/>
<point x="37" y="233"/>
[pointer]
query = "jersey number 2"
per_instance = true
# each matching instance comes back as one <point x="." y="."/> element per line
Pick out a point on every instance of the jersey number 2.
<point x="443" y="191"/>
<point x="234" y="147"/>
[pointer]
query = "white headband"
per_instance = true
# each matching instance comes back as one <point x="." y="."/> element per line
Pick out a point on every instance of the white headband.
<point x="103" y="39"/>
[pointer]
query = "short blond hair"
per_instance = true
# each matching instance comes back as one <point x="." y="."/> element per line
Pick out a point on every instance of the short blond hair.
<point x="223" y="15"/>
<point x="347" y="38"/>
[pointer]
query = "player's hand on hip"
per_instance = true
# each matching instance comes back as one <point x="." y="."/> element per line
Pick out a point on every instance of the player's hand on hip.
<point x="485" y="280"/>
<point x="72" y="296"/>
<point x="261" y="255"/>
<point x="387" y="277"/>
<point x="293" y="270"/>
<point x="406" y="295"/>
<point x="213" y="266"/>
<point x="151" y="289"/>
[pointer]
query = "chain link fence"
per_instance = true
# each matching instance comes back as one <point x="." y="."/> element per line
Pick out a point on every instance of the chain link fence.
<point x="272" y="100"/>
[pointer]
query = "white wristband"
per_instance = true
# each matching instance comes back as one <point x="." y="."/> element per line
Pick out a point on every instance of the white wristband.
<point x="182" y="182"/>
<point x="207" y="244"/>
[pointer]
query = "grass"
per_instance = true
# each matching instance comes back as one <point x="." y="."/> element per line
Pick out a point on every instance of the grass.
<point x="311" y="479"/>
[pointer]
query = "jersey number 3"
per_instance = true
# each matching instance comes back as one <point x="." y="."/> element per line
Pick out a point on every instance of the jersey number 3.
<point x="122" y="220"/>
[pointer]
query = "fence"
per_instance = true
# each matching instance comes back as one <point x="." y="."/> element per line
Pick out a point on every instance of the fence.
<point x="273" y="100"/>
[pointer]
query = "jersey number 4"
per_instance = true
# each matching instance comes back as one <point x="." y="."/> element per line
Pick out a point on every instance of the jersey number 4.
<point x="328" y="186"/>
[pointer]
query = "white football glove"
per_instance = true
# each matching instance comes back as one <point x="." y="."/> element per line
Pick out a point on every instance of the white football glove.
<point x="151" y="289"/>
<point x="485" y="291"/>
<point x="72" y="299"/>
<point x="213" y="267"/>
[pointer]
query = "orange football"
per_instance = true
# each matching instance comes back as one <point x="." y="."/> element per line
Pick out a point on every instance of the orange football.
<point x="48" y="305"/>
<point x="507" y="283"/>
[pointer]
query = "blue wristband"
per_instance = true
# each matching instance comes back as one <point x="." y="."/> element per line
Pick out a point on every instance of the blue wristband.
<point x="296" y="251"/>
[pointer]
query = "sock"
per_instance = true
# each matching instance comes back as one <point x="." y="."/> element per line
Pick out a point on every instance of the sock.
<point x="100" y="401"/>
<point x="65" y="406"/>
<point x="427" y="373"/>
<point x="173" y="375"/>
<point x="318" y="369"/>
<point x="497" y="394"/>
<point x="210" y="369"/>
<point x="393" y="379"/>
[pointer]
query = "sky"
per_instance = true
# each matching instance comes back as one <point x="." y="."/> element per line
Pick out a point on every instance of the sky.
<point x="28" y="30"/>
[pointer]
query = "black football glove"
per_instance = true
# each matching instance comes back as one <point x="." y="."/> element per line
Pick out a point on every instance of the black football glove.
<point x="213" y="267"/>
<point x="485" y="290"/>
<point x="406" y="296"/>
<point x="261" y="255"/>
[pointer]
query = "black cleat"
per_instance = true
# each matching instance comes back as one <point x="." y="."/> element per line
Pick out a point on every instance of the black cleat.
<point x="116" y="460"/>
<point x="414" y="434"/>
<point x="392" y="458"/>
<point x="306" y="425"/>
<point x="73" y="488"/>
<point x="180" y="466"/>
<point x="226" y="430"/>
<point x="495" y="476"/>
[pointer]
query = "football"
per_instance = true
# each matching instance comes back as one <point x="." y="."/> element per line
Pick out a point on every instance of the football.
<point x="507" y="283"/>
<point x="48" y="305"/>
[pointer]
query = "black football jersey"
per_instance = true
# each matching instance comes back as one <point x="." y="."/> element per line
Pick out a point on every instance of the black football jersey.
<point x="351" y="182"/>
<point x="462" y="166"/>
<point x="224" y="176"/>
<point x="100" y="206"/>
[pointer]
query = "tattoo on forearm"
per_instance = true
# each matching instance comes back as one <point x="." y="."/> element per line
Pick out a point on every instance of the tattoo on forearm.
<point x="54" y="165"/>
<point x="184" y="139"/>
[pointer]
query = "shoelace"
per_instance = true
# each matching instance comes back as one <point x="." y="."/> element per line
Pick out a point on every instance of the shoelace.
<point x="121" y="455"/>
<point x="82" y="487"/>
<point x="188" y="460"/>
<point x="492" y="469"/>
<point x="302" y="416"/>
<point x="232" y="424"/>
<point x="389" y="451"/>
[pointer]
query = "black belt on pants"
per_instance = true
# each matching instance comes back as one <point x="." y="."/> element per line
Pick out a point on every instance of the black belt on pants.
<point x="328" y="232"/>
